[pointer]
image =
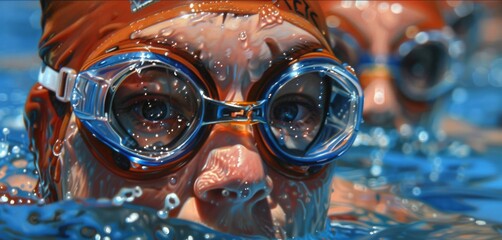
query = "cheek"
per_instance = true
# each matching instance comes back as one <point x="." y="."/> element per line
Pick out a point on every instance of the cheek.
<point x="83" y="176"/>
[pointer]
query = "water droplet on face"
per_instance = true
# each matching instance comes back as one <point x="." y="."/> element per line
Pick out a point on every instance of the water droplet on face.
<point x="58" y="147"/>
<point x="171" y="201"/>
<point x="219" y="68"/>
<point x="166" y="32"/>
<point x="242" y="36"/>
<point x="138" y="191"/>
<point x="135" y="34"/>
<point x="172" y="181"/>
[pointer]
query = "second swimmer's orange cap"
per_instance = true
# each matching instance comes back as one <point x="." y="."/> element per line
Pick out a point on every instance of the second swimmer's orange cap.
<point x="76" y="31"/>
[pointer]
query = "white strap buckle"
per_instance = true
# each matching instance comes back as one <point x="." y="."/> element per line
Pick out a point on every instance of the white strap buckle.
<point x="61" y="83"/>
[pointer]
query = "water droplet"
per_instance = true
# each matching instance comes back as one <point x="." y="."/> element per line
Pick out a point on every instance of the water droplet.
<point x="135" y="34"/>
<point x="132" y="218"/>
<point x="209" y="236"/>
<point x="108" y="229"/>
<point x="162" y="214"/>
<point x="165" y="230"/>
<point x="13" y="192"/>
<point x="58" y="147"/>
<point x="166" y="32"/>
<point x="118" y="201"/>
<point x="5" y="131"/>
<point x="4" y="149"/>
<point x="138" y="191"/>
<point x="171" y="201"/>
<point x="245" y="192"/>
<point x="173" y="181"/>
<point x="16" y="149"/>
<point x="416" y="191"/>
<point x="242" y="36"/>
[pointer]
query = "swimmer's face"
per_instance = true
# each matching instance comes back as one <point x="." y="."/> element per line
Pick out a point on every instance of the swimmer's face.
<point x="377" y="28"/>
<point x="229" y="184"/>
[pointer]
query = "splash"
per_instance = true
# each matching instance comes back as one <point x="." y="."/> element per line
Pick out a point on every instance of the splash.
<point x="127" y="195"/>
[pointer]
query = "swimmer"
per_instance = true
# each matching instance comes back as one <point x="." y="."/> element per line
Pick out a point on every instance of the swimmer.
<point x="403" y="52"/>
<point x="408" y="60"/>
<point x="233" y="111"/>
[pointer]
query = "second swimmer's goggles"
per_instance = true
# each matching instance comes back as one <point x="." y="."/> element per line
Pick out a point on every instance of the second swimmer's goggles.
<point x="152" y="108"/>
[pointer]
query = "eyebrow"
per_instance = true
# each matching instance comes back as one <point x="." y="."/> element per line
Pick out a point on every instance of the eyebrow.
<point x="294" y="52"/>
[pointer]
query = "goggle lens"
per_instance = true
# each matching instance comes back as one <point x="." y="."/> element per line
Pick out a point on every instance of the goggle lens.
<point x="313" y="112"/>
<point x="296" y="112"/>
<point x="152" y="109"/>
<point x="424" y="67"/>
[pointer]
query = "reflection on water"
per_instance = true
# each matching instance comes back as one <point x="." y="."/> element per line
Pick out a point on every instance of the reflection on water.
<point x="400" y="183"/>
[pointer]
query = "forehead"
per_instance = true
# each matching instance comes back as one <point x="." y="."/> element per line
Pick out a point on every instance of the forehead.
<point x="235" y="49"/>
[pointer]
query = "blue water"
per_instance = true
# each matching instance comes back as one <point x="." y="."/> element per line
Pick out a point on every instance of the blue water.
<point x="462" y="186"/>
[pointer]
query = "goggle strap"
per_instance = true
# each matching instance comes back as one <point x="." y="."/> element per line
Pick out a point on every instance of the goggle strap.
<point x="61" y="83"/>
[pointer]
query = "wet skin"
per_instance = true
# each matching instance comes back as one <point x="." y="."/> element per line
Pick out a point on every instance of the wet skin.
<point x="228" y="184"/>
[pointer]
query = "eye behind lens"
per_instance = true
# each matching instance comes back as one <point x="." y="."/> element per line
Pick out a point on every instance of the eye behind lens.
<point x="313" y="113"/>
<point x="153" y="109"/>
<point x="296" y="112"/>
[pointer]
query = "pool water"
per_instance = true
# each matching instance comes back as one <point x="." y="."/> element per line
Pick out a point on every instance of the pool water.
<point x="387" y="187"/>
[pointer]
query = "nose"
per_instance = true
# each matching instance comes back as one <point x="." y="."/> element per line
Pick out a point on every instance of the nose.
<point x="380" y="103"/>
<point x="233" y="169"/>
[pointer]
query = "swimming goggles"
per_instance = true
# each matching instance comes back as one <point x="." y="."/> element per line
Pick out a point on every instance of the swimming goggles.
<point x="153" y="109"/>
<point x="423" y="68"/>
